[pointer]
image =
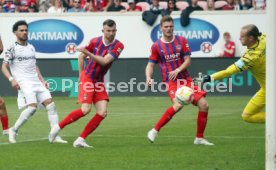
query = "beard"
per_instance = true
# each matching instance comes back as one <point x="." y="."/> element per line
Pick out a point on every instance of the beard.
<point x="111" y="38"/>
<point x="23" y="38"/>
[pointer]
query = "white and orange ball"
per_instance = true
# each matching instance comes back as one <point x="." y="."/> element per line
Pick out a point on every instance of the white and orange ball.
<point x="184" y="95"/>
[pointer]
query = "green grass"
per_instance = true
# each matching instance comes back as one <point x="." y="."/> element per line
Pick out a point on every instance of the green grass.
<point x="120" y="142"/>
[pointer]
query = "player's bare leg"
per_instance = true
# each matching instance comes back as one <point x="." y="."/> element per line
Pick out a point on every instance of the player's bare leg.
<point x="70" y="118"/>
<point x="24" y="116"/>
<point x="4" y="117"/>
<point x="53" y="117"/>
<point x="166" y="117"/>
<point x="101" y="112"/>
<point x="201" y="122"/>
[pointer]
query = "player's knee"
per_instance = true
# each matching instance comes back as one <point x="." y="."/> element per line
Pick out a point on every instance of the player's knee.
<point x="51" y="106"/>
<point x="246" y="117"/>
<point x="203" y="106"/>
<point x="102" y="113"/>
<point x="48" y="102"/>
<point x="177" y="106"/>
<point x="86" y="110"/>
<point x="33" y="105"/>
<point x="2" y="103"/>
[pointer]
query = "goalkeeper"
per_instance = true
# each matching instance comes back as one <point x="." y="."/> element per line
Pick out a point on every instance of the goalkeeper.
<point x="254" y="61"/>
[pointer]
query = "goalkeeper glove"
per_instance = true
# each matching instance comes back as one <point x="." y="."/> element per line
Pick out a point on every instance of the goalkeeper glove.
<point x="206" y="78"/>
<point x="202" y="78"/>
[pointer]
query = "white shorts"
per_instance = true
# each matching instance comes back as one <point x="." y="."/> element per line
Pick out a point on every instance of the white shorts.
<point x="32" y="92"/>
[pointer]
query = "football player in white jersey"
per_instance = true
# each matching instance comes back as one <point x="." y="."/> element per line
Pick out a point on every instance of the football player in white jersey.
<point x="27" y="79"/>
<point x="3" y="111"/>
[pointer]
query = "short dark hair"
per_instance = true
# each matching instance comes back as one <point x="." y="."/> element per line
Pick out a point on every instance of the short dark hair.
<point x="252" y="30"/>
<point x="17" y="24"/>
<point x="109" y="22"/>
<point x="166" y="18"/>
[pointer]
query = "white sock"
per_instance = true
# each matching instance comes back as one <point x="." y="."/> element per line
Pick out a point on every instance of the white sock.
<point x="52" y="114"/>
<point x="24" y="116"/>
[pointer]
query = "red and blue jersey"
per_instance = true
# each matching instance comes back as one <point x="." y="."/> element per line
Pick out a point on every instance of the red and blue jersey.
<point x="170" y="56"/>
<point x="95" y="71"/>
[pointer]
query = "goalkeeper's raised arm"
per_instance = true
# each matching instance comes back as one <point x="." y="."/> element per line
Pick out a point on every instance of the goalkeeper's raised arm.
<point x="232" y="69"/>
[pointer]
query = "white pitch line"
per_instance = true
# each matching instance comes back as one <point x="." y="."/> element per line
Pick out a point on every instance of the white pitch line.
<point x="25" y="141"/>
<point x="133" y="136"/>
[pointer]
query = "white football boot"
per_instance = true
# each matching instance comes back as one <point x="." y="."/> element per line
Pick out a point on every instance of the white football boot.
<point x="53" y="133"/>
<point x="202" y="141"/>
<point x="58" y="139"/>
<point x="6" y="132"/>
<point x="12" y="135"/>
<point x="152" y="134"/>
<point x="80" y="143"/>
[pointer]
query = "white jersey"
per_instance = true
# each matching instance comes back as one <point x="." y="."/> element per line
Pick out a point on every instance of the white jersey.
<point x="22" y="62"/>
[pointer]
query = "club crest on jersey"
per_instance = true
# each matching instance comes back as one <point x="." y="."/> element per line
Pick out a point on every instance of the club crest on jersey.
<point x="119" y="50"/>
<point x="206" y="47"/>
<point x="71" y="48"/>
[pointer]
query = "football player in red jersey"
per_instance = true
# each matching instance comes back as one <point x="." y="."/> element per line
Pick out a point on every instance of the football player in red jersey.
<point x="102" y="52"/>
<point x="172" y="53"/>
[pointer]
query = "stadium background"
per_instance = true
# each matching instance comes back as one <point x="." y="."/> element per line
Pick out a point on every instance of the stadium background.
<point x="121" y="142"/>
<point x="55" y="38"/>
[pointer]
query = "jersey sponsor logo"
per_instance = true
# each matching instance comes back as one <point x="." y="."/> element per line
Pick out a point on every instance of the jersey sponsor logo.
<point x="196" y="33"/>
<point x="25" y="58"/>
<point x="53" y="36"/>
<point x="172" y="57"/>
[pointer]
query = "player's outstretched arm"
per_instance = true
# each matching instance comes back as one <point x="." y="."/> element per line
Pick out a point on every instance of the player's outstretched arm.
<point x="232" y="69"/>
<point x="149" y="73"/>
<point x="98" y="59"/>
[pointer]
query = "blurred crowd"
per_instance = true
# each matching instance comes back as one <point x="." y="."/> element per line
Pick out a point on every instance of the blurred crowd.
<point x="60" y="6"/>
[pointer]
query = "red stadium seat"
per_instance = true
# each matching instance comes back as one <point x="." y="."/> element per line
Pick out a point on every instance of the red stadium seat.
<point x="202" y="4"/>
<point x="163" y="4"/>
<point x="181" y="5"/>
<point x="125" y="4"/>
<point x="219" y="4"/>
<point x="144" y="5"/>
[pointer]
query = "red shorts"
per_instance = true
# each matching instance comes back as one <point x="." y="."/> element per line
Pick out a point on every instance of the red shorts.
<point x="198" y="93"/>
<point x="91" y="92"/>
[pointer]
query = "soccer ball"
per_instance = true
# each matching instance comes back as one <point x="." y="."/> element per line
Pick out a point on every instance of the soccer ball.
<point x="184" y="95"/>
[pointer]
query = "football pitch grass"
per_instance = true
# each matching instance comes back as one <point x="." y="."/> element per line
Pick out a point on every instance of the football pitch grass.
<point x="120" y="142"/>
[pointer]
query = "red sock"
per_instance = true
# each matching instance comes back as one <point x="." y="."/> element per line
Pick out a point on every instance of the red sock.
<point x="5" y="121"/>
<point x="201" y="123"/>
<point x="91" y="125"/>
<point x="72" y="117"/>
<point x="169" y="113"/>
